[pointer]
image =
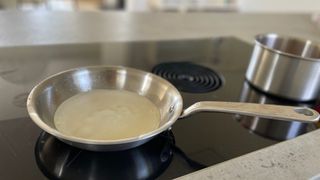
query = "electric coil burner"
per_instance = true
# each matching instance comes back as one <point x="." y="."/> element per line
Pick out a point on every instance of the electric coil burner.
<point x="189" y="77"/>
<point x="195" y="67"/>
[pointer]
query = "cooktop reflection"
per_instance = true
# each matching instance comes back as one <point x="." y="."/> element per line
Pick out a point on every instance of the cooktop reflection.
<point x="202" y="69"/>
<point x="58" y="160"/>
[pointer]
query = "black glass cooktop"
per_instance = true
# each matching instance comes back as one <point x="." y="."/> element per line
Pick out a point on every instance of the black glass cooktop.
<point x="202" y="69"/>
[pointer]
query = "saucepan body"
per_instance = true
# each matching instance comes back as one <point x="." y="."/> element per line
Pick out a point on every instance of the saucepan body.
<point x="286" y="67"/>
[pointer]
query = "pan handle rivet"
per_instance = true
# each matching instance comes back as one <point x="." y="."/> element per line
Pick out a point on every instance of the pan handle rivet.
<point x="171" y="109"/>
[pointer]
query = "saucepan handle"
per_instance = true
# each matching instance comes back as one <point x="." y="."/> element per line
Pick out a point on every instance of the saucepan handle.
<point x="276" y="112"/>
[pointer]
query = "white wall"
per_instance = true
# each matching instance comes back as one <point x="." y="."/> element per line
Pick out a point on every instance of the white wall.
<point x="265" y="6"/>
<point x="279" y="6"/>
<point x="269" y="6"/>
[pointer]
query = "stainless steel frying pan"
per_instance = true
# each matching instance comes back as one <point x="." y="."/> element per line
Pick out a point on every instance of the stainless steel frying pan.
<point x="45" y="98"/>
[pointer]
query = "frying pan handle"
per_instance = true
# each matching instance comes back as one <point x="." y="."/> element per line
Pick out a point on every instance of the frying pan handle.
<point x="276" y="112"/>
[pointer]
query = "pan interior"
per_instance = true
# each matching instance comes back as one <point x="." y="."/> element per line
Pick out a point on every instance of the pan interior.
<point x="48" y="95"/>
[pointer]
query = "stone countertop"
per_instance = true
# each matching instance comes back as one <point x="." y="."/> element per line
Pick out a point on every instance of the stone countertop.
<point x="295" y="159"/>
<point x="27" y="28"/>
<point x="298" y="158"/>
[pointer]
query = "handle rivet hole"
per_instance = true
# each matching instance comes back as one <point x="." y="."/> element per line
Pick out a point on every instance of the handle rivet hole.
<point x="304" y="111"/>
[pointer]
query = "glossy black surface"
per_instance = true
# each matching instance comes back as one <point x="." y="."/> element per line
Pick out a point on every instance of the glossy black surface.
<point x="58" y="160"/>
<point x="202" y="140"/>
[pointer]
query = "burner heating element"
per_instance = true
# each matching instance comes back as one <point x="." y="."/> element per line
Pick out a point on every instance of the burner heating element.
<point x="189" y="77"/>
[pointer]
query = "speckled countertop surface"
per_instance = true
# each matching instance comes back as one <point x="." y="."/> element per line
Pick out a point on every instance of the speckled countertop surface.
<point x="295" y="159"/>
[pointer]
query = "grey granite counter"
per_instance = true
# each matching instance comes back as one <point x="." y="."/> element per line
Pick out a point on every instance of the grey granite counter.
<point x="295" y="159"/>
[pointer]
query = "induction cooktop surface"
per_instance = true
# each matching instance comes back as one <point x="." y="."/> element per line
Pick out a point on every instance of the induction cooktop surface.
<point x="211" y="69"/>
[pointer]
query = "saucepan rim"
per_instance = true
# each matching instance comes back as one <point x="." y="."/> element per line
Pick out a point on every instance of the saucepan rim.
<point x="313" y="43"/>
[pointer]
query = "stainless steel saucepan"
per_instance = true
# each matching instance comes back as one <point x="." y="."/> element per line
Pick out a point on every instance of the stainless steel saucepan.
<point x="45" y="98"/>
<point x="286" y="67"/>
